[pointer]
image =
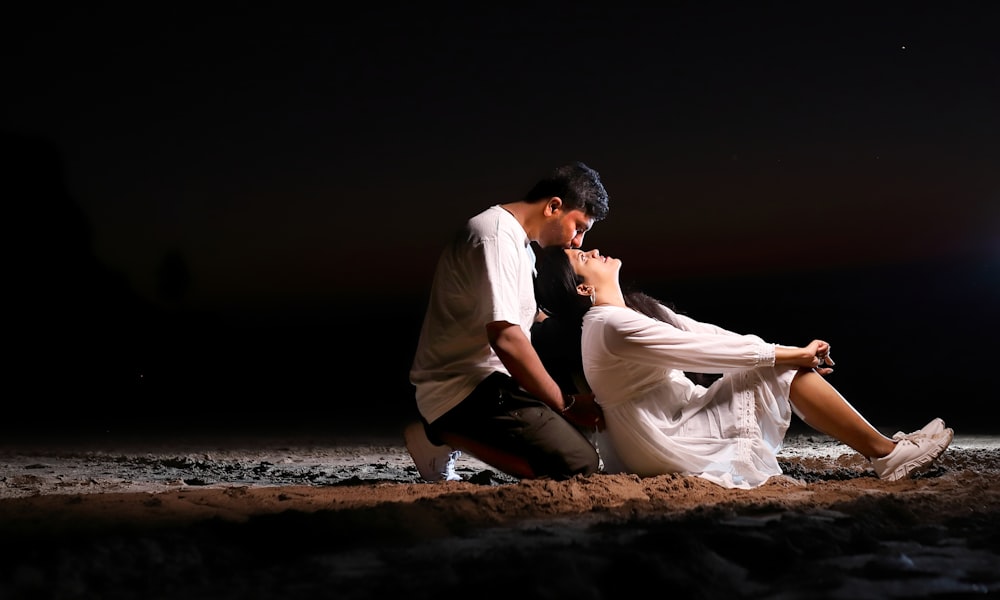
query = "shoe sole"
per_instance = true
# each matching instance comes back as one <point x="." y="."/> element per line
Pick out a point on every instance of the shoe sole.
<point x="921" y="463"/>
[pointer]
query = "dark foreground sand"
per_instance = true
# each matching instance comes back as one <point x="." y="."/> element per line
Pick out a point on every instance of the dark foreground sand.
<point x="314" y="517"/>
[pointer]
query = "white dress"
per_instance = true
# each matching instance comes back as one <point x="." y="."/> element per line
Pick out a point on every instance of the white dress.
<point x="659" y="421"/>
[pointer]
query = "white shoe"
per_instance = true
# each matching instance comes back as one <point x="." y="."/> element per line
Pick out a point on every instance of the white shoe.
<point x="933" y="428"/>
<point x="435" y="463"/>
<point x="912" y="454"/>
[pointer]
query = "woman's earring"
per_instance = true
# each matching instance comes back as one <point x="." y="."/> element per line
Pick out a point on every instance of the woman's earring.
<point x="593" y="296"/>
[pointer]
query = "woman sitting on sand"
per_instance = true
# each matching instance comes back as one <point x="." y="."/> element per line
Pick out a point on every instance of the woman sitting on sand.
<point x="635" y="351"/>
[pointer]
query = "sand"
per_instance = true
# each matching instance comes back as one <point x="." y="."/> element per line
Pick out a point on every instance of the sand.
<point x="318" y="517"/>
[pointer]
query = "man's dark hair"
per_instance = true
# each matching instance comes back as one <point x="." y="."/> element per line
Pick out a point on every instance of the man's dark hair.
<point x="577" y="185"/>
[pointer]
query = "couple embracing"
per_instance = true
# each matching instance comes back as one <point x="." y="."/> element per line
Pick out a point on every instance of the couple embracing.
<point x="526" y="390"/>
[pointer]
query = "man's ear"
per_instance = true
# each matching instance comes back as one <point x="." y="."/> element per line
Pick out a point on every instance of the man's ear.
<point x="552" y="205"/>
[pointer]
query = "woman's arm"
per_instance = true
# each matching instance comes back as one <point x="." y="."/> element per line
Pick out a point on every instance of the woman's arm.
<point x="688" y="324"/>
<point x="636" y="337"/>
<point x="814" y="355"/>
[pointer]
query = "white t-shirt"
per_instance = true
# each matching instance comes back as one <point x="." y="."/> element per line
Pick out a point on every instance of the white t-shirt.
<point x="484" y="275"/>
<point x="659" y="421"/>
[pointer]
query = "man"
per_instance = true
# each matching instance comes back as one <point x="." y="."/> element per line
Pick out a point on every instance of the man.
<point x="480" y="385"/>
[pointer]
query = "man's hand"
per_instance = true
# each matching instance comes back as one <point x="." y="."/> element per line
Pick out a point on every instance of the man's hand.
<point x="583" y="411"/>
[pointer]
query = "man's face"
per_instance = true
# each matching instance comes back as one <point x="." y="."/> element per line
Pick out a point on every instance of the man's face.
<point x="566" y="229"/>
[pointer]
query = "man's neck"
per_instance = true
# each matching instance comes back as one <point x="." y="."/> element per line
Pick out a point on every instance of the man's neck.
<point x="522" y="211"/>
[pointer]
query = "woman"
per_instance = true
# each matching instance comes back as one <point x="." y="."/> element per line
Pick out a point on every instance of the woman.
<point x="635" y="352"/>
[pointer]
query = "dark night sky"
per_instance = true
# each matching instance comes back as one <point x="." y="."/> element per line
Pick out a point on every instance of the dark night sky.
<point x="299" y="170"/>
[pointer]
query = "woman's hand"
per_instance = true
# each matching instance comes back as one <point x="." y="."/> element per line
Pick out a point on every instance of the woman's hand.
<point x="816" y="355"/>
<point x="819" y="351"/>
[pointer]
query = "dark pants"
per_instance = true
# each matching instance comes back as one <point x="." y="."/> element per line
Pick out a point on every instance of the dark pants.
<point x="500" y="415"/>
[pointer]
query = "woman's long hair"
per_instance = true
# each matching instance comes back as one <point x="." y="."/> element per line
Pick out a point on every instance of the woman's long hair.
<point x="557" y="297"/>
<point x="557" y="338"/>
<point x="555" y="291"/>
<point x="555" y="287"/>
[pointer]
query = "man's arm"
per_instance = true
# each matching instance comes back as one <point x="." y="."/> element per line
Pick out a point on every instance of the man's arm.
<point x="517" y="354"/>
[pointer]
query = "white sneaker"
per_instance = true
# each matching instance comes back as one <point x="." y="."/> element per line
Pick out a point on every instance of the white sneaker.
<point x="912" y="454"/>
<point x="435" y="463"/>
<point x="933" y="428"/>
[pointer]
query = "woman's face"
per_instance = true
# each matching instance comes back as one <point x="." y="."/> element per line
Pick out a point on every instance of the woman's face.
<point x="594" y="268"/>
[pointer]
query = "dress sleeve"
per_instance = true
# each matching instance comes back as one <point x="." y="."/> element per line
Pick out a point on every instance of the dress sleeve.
<point x="636" y="337"/>
<point x="688" y="324"/>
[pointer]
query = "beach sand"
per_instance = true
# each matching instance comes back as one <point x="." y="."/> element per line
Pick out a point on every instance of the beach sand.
<point x="313" y="516"/>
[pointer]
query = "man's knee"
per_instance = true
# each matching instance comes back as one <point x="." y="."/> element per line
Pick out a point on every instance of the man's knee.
<point x="584" y="461"/>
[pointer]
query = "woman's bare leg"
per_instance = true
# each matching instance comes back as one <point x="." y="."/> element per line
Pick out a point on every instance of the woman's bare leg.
<point x="823" y="408"/>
